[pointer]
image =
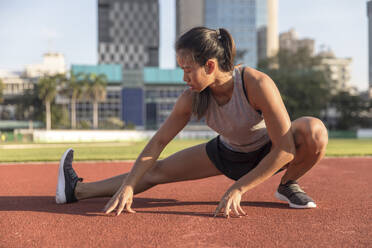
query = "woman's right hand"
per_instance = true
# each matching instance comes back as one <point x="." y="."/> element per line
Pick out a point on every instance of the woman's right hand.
<point x="122" y="198"/>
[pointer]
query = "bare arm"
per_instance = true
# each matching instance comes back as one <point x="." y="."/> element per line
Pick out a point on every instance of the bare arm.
<point x="177" y="120"/>
<point x="267" y="98"/>
<point x="263" y="95"/>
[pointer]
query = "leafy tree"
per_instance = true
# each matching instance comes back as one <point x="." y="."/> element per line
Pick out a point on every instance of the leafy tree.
<point x="30" y="107"/>
<point x="74" y="89"/>
<point x="60" y="117"/>
<point x="1" y="91"/>
<point x="354" y="111"/>
<point x="303" y="85"/>
<point x="95" y="91"/>
<point x="47" y="91"/>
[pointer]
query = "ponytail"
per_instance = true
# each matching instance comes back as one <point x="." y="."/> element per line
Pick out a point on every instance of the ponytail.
<point x="203" y="44"/>
<point x="229" y="49"/>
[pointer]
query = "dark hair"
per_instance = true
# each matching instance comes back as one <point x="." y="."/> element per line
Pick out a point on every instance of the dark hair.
<point x="203" y="44"/>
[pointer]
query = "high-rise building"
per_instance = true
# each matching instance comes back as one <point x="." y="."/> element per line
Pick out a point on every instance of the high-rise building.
<point x="128" y="33"/>
<point x="190" y="13"/>
<point x="252" y="23"/>
<point x="239" y="17"/>
<point x="267" y="28"/>
<point x="369" y="14"/>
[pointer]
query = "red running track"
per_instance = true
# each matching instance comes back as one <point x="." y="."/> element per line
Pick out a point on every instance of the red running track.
<point x="179" y="214"/>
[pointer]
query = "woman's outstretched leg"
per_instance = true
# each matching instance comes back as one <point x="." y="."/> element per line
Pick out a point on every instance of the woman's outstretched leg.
<point x="103" y="188"/>
<point x="189" y="164"/>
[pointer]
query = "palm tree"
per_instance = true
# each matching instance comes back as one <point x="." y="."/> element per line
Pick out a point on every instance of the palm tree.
<point x="74" y="90"/>
<point x="47" y="91"/>
<point x="95" y="91"/>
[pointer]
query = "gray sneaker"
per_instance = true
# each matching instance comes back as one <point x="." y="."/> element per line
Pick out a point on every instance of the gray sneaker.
<point x="292" y="193"/>
<point x="67" y="179"/>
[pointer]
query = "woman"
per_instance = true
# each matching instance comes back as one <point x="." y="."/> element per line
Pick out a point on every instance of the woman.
<point x="256" y="137"/>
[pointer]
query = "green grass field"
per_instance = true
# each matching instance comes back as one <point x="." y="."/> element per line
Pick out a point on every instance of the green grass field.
<point x="129" y="151"/>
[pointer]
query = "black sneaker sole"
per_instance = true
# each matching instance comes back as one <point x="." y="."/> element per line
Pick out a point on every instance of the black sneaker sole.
<point x="60" y="192"/>
<point x="292" y="205"/>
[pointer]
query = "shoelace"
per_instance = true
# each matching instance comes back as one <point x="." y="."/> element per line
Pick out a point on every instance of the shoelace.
<point x="73" y="175"/>
<point x="292" y="189"/>
<point x="295" y="188"/>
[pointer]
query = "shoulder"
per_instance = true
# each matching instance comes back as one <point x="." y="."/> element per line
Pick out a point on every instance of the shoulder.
<point x="184" y="103"/>
<point x="254" y="78"/>
<point x="258" y="84"/>
<point x="186" y="96"/>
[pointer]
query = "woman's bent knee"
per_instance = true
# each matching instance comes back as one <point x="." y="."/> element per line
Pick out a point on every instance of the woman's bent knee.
<point x="317" y="135"/>
<point x="313" y="132"/>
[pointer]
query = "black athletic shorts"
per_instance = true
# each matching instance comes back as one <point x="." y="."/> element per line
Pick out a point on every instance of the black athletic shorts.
<point x="233" y="164"/>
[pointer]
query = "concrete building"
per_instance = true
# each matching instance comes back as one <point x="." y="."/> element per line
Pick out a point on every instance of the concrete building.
<point x="128" y="33"/>
<point x="252" y="23"/>
<point x="338" y="70"/>
<point x="53" y="63"/>
<point x="290" y="41"/>
<point x="14" y="87"/>
<point x="14" y="83"/>
<point x="369" y="14"/>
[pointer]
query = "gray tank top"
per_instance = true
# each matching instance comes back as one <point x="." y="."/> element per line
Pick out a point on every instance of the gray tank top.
<point x="240" y="126"/>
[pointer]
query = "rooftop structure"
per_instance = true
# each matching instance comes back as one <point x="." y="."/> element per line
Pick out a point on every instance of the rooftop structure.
<point x="53" y="63"/>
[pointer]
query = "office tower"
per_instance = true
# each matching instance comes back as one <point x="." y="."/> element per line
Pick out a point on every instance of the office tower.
<point x="369" y="14"/>
<point x="267" y="28"/>
<point x="128" y="33"/>
<point x="189" y="13"/>
<point x="239" y="17"/>
<point x="252" y="23"/>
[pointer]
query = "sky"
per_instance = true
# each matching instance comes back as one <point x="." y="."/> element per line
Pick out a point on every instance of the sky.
<point x="29" y="28"/>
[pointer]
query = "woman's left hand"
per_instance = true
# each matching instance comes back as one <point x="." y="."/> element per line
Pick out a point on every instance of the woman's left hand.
<point x="231" y="199"/>
<point x="122" y="198"/>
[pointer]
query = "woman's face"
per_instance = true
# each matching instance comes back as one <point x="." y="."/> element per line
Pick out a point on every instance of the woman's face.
<point x="194" y="75"/>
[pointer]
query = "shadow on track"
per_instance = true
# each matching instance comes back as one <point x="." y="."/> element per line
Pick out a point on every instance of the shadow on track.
<point x="93" y="207"/>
